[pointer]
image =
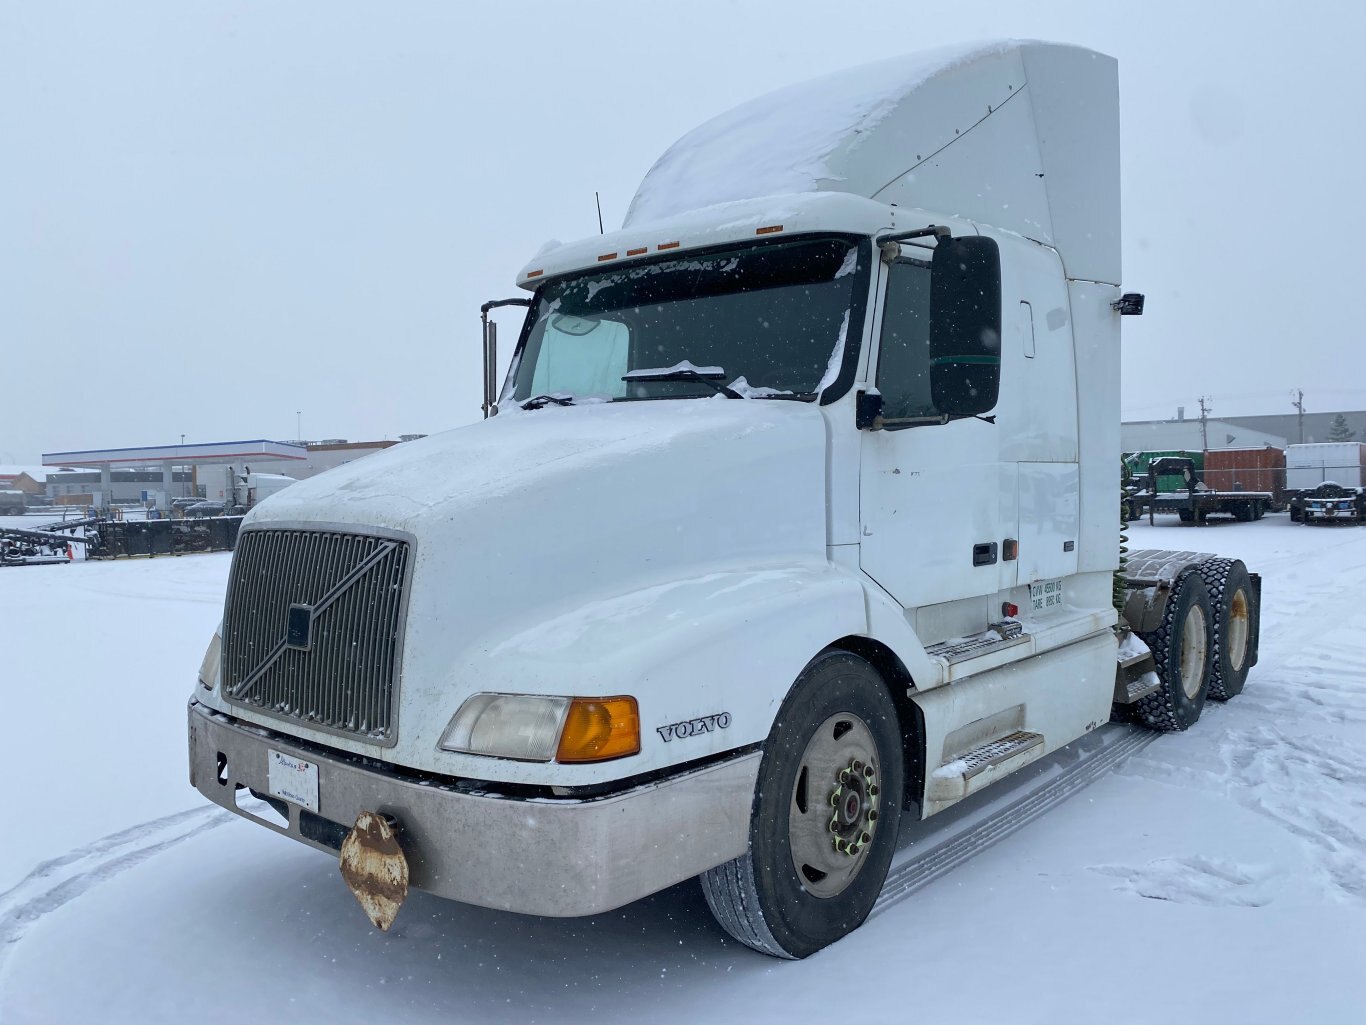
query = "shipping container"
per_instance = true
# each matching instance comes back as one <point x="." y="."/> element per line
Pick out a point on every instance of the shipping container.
<point x="1246" y="469"/>
<point x="1308" y="466"/>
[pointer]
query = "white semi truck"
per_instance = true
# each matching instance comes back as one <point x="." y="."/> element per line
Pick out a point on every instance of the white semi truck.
<point x="800" y="513"/>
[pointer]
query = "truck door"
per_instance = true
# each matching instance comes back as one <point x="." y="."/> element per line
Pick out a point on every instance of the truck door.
<point x="933" y="495"/>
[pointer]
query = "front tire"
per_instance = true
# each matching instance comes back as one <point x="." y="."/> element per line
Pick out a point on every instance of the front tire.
<point x="827" y="807"/>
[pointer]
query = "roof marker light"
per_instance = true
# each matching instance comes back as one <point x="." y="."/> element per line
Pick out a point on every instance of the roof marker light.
<point x="535" y="273"/>
<point x="667" y="245"/>
<point x="771" y="229"/>
<point x="638" y="252"/>
<point x="607" y="256"/>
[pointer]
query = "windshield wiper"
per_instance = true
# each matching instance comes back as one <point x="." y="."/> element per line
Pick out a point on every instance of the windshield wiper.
<point x="685" y="371"/>
<point x="541" y="400"/>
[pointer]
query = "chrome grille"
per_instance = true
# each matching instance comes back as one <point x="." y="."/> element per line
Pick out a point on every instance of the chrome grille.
<point x="312" y="628"/>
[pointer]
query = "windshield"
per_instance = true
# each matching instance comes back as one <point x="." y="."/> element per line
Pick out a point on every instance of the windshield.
<point x="768" y="321"/>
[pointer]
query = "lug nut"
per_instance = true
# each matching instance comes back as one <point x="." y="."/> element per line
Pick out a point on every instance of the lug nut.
<point x="872" y="817"/>
<point x="868" y="771"/>
<point x="858" y="766"/>
<point x="864" y="838"/>
<point x="872" y="790"/>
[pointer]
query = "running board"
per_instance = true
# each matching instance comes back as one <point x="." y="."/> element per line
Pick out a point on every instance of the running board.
<point x="974" y="769"/>
<point x="953" y="652"/>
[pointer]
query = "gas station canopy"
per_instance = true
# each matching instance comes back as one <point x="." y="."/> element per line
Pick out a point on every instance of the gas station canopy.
<point x="177" y="455"/>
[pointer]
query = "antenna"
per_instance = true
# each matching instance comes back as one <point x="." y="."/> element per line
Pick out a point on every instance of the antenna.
<point x="598" y="199"/>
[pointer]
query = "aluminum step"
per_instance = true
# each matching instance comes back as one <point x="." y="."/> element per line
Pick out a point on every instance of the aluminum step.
<point x="1135" y="659"/>
<point x="973" y="769"/>
<point x="1136" y="685"/>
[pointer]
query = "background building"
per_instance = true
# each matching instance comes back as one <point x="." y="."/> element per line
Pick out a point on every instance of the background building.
<point x="324" y="455"/>
<point x="1317" y="426"/>
<point x="79" y="487"/>
<point x="1191" y="436"/>
<point x="29" y="479"/>
<point x="118" y="476"/>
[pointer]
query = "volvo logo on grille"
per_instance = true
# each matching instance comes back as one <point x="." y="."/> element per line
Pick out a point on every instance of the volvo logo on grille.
<point x="299" y="627"/>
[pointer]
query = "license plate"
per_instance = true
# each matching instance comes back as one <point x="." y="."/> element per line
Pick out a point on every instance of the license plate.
<point x="293" y="779"/>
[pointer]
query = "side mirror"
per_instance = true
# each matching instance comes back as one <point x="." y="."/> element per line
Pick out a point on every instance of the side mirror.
<point x="868" y="415"/>
<point x="965" y="325"/>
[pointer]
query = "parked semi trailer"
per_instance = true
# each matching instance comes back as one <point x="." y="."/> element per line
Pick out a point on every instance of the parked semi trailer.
<point x="1327" y="482"/>
<point x="799" y="514"/>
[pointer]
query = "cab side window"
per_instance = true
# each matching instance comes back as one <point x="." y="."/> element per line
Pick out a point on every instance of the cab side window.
<point x="903" y="365"/>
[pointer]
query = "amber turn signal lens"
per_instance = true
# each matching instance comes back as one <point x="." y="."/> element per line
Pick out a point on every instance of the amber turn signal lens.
<point x="598" y="729"/>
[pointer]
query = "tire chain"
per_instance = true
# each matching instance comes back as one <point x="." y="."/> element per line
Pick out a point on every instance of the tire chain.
<point x="1156" y="711"/>
<point x="1214" y="572"/>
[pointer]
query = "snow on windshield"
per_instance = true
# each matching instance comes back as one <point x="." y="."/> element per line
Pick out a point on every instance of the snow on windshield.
<point x="768" y="315"/>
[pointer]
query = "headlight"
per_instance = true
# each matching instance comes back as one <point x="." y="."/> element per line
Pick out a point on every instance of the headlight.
<point x="519" y="726"/>
<point x="213" y="656"/>
<point x="538" y="728"/>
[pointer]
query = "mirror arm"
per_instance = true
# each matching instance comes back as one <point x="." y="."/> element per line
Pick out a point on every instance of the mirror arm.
<point x="937" y="230"/>
<point x="489" y="332"/>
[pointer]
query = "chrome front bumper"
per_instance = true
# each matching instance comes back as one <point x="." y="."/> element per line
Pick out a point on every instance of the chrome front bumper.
<point x="537" y="856"/>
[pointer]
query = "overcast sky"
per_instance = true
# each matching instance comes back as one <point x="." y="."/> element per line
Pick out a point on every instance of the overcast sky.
<point x="214" y="215"/>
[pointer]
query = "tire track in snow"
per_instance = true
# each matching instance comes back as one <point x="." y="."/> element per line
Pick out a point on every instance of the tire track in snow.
<point x="60" y="880"/>
<point x="1277" y="762"/>
<point x="1270" y="770"/>
<point x="923" y="869"/>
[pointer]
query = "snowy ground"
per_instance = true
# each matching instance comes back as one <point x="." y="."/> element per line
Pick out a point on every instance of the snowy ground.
<point x="1212" y="876"/>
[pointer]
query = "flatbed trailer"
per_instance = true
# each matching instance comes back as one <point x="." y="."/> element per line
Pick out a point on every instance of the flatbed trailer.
<point x="1197" y="502"/>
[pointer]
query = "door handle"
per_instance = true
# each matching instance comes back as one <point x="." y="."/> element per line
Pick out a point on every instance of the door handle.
<point x="984" y="554"/>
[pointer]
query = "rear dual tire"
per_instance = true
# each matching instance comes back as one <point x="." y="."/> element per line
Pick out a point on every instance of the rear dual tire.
<point x="1183" y="654"/>
<point x="1233" y="611"/>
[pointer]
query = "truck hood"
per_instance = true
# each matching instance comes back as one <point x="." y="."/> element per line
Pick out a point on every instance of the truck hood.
<point x="523" y="519"/>
<point x="611" y="454"/>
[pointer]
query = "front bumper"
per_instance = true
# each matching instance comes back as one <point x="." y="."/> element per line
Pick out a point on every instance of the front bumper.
<point x="1343" y="512"/>
<point x="538" y="856"/>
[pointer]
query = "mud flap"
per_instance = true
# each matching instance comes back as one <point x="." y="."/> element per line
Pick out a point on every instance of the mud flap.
<point x="375" y="868"/>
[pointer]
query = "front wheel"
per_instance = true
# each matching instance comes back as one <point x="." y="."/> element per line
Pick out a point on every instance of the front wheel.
<point x="823" y="826"/>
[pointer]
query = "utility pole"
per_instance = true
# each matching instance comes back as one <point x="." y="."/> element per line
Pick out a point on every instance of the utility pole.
<point x="1299" y="405"/>
<point x="1204" y="424"/>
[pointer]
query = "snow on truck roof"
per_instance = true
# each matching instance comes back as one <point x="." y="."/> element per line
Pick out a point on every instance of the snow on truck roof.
<point x="1018" y="135"/>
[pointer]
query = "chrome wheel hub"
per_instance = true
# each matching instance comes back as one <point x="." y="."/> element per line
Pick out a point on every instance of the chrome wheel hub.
<point x="832" y="817"/>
